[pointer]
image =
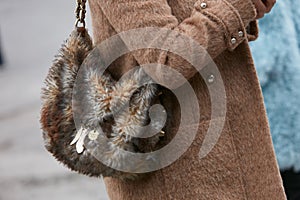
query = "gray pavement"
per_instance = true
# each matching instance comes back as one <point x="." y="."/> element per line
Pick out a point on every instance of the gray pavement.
<point x="31" y="32"/>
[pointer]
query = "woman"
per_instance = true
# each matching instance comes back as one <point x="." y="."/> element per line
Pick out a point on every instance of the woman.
<point x="242" y="164"/>
<point x="280" y="78"/>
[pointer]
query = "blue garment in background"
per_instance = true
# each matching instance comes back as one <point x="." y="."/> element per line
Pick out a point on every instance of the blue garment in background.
<point x="277" y="58"/>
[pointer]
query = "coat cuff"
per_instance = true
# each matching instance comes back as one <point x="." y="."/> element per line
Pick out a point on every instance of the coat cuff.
<point x="234" y="17"/>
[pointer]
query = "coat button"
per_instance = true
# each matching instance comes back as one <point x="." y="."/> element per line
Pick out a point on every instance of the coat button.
<point x="203" y="5"/>
<point x="211" y="78"/>
<point x="241" y="33"/>
<point x="233" y="40"/>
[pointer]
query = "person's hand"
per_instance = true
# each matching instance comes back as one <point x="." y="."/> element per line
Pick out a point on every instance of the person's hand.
<point x="263" y="7"/>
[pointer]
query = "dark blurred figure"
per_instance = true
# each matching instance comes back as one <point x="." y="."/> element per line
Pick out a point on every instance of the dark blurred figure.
<point x="1" y="56"/>
<point x="291" y="182"/>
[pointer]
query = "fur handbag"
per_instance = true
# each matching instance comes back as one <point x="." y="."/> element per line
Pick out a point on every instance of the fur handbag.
<point x="106" y="97"/>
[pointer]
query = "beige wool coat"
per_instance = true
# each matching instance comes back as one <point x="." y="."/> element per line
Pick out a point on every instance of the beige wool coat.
<point x="242" y="164"/>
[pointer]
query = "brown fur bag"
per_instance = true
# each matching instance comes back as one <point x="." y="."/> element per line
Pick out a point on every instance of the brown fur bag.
<point x="106" y="97"/>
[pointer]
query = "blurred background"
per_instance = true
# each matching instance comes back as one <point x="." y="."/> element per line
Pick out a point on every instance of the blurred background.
<point x="31" y="32"/>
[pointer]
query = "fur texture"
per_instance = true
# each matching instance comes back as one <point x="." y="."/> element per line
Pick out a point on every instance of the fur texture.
<point x="107" y="98"/>
<point x="278" y="66"/>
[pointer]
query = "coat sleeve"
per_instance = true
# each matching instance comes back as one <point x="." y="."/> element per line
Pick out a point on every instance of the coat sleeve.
<point x="216" y="25"/>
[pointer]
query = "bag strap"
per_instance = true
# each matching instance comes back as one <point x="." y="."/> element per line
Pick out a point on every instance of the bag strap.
<point x="80" y="13"/>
